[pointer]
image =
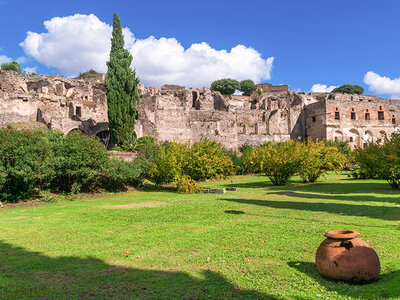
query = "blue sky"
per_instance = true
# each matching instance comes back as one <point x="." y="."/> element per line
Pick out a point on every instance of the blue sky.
<point x="311" y="42"/>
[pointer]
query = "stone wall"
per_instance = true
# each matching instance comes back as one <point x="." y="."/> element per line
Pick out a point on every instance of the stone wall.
<point x="176" y="113"/>
<point x="61" y="103"/>
<point x="356" y="118"/>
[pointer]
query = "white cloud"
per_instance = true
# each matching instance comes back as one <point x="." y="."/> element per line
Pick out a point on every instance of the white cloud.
<point x="5" y="59"/>
<point x="322" y="88"/>
<point x="30" y="70"/>
<point x="78" y="43"/>
<point x="382" y="84"/>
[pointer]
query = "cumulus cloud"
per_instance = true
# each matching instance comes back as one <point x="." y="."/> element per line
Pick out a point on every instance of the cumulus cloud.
<point x="322" y="88"/>
<point x="5" y="59"/>
<point x="382" y="84"/>
<point x="78" y="43"/>
<point x="30" y="70"/>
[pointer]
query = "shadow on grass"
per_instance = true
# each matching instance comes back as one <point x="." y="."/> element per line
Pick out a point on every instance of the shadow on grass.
<point x="386" y="285"/>
<point x="377" y="212"/>
<point x="34" y="275"/>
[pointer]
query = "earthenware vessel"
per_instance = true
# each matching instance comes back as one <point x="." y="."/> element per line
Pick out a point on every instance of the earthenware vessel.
<point x="345" y="257"/>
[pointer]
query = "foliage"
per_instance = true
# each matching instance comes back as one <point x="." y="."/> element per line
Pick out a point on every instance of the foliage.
<point x="225" y="86"/>
<point x="318" y="159"/>
<point x="349" y="89"/>
<point x="120" y="174"/>
<point x="122" y="89"/>
<point x="14" y="66"/>
<point x="186" y="185"/>
<point x="88" y="73"/>
<point x="247" y="87"/>
<point x="203" y="160"/>
<point x="380" y="161"/>
<point x="80" y="162"/>
<point x="26" y="163"/>
<point x="254" y="158"/>
<point x="168" y="162"/>
<point x="342" y="146"/>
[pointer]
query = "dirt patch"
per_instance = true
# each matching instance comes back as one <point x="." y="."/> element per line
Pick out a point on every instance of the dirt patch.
<point x="35" y="202"/>
<point x="137" y="205"/>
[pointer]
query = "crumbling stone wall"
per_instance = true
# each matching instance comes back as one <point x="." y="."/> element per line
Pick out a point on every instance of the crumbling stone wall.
<point x="61" y="103"/>
<point x="176" y="113"/>
<point x="356" y="118"/>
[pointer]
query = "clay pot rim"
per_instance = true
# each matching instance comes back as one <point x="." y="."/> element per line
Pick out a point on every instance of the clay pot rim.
<point x="342" y="234"/>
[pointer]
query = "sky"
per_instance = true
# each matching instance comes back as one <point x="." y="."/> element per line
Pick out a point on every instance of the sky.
<point x="311" y="45"/>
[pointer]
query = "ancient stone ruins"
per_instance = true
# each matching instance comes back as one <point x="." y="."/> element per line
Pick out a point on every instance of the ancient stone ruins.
<point x="176" y="113"/>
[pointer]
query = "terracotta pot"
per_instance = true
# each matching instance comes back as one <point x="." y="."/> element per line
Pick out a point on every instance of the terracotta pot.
<point x="343" y="256"/>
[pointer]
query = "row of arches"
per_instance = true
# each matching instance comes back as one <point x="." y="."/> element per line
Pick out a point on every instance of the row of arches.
<point x="357" y="140"/>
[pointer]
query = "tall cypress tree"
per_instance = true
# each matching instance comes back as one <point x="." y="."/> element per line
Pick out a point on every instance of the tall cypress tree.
<point x="122" y="89"/>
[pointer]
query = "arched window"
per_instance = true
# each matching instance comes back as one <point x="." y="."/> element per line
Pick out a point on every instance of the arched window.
<point x="393" y="120"/>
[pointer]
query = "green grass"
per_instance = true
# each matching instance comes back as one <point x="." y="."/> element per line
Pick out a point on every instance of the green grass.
<point x="258" y="242"/>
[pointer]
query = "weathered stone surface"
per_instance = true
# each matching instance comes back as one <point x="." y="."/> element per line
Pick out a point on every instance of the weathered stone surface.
<point x="232" y="189"/>
<point x="180" y="114"/>
<point x="214" y="191"/>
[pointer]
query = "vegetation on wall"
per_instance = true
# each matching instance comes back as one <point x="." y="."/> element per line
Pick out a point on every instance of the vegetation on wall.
<point x="225" y="86"/>
<point x="122" y="90"/>
<point x="88" y="73"/>
<point x="349" y="89"/>
<point x="14" y="66"/>
<point x="247" y="87"/>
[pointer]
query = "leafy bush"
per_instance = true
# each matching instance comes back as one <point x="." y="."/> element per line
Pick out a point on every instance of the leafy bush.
<point x="254" y="158"/>
<point x="120" y="174"/>
<point x="80" y="162"/>
<point x="26" y="163"/>
<point x="203" y="160"/>
<point x="88" y="73"/>
<point x="168" y="162"/>
<point x="380" y="161"/>
<point x="349" y="89"/>
<point x="225" y="86"/>
<point x="14" y="66"/>
<point x="342" y="146"/>
<point x="186" y="185"/>
<point x="318" y="159"/>
<point x="247" y="87"/>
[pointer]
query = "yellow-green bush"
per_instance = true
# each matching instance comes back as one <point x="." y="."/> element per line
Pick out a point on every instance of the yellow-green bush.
<point x="186" y="185"/>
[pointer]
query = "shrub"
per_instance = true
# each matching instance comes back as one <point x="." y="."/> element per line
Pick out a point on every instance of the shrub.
<point x="14" y="66"/>
<point x="254" y="158"/>
<point x="225" y="86"/>
<point x="281" y="160"/>
<point x="186" y="185"/>
<point x="120" y="174"/>
<point x="349" y="89"/>
<point x="318" y="159"/>
<point x="80" y="162"/>
<point x="206" y="159"/>
<point x="168" y="162"/>
<point x="247" y="87"/>
<point x="26" y="163"/>
<point x="88" y="73"/>
<point x="381" y="161"/>
<point x="342" y="146"/>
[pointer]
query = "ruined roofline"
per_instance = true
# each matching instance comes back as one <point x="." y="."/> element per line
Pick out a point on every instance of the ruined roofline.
<point x="351" y="97"/>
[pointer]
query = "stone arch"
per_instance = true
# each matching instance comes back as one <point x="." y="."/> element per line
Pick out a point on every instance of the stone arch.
<point x="368" y="138"/>
<point x="354" y="138"/>
<point x="338" y="135"/>
<point x="75" y="130"/>
<point x="382" y="136"/>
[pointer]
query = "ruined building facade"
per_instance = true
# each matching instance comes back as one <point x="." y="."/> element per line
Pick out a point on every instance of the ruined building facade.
<point x="176" y="113"/>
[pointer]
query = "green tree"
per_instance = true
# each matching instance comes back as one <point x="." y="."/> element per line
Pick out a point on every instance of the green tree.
<point x="225" y="86"/>
<point x="14" y="66"/>
<point x="247" y="87"/>
<point x="122" y="90"/>
<point x="349" y="89"/>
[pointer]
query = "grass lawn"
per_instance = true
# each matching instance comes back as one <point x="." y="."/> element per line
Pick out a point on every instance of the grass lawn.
<point x="258" y="242"/>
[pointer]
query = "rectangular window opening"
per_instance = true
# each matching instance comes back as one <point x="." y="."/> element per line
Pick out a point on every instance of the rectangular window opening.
<point x="381" y="115"/>
<point x="367" y="116"/>
<point x="78" y="111"/>
<point x="353" y="116"/>
<point x="314" y="119"/>
<point x="337" y="115"/>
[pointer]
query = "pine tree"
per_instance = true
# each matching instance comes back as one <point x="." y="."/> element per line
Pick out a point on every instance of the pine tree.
<point x="122" y="90"/>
